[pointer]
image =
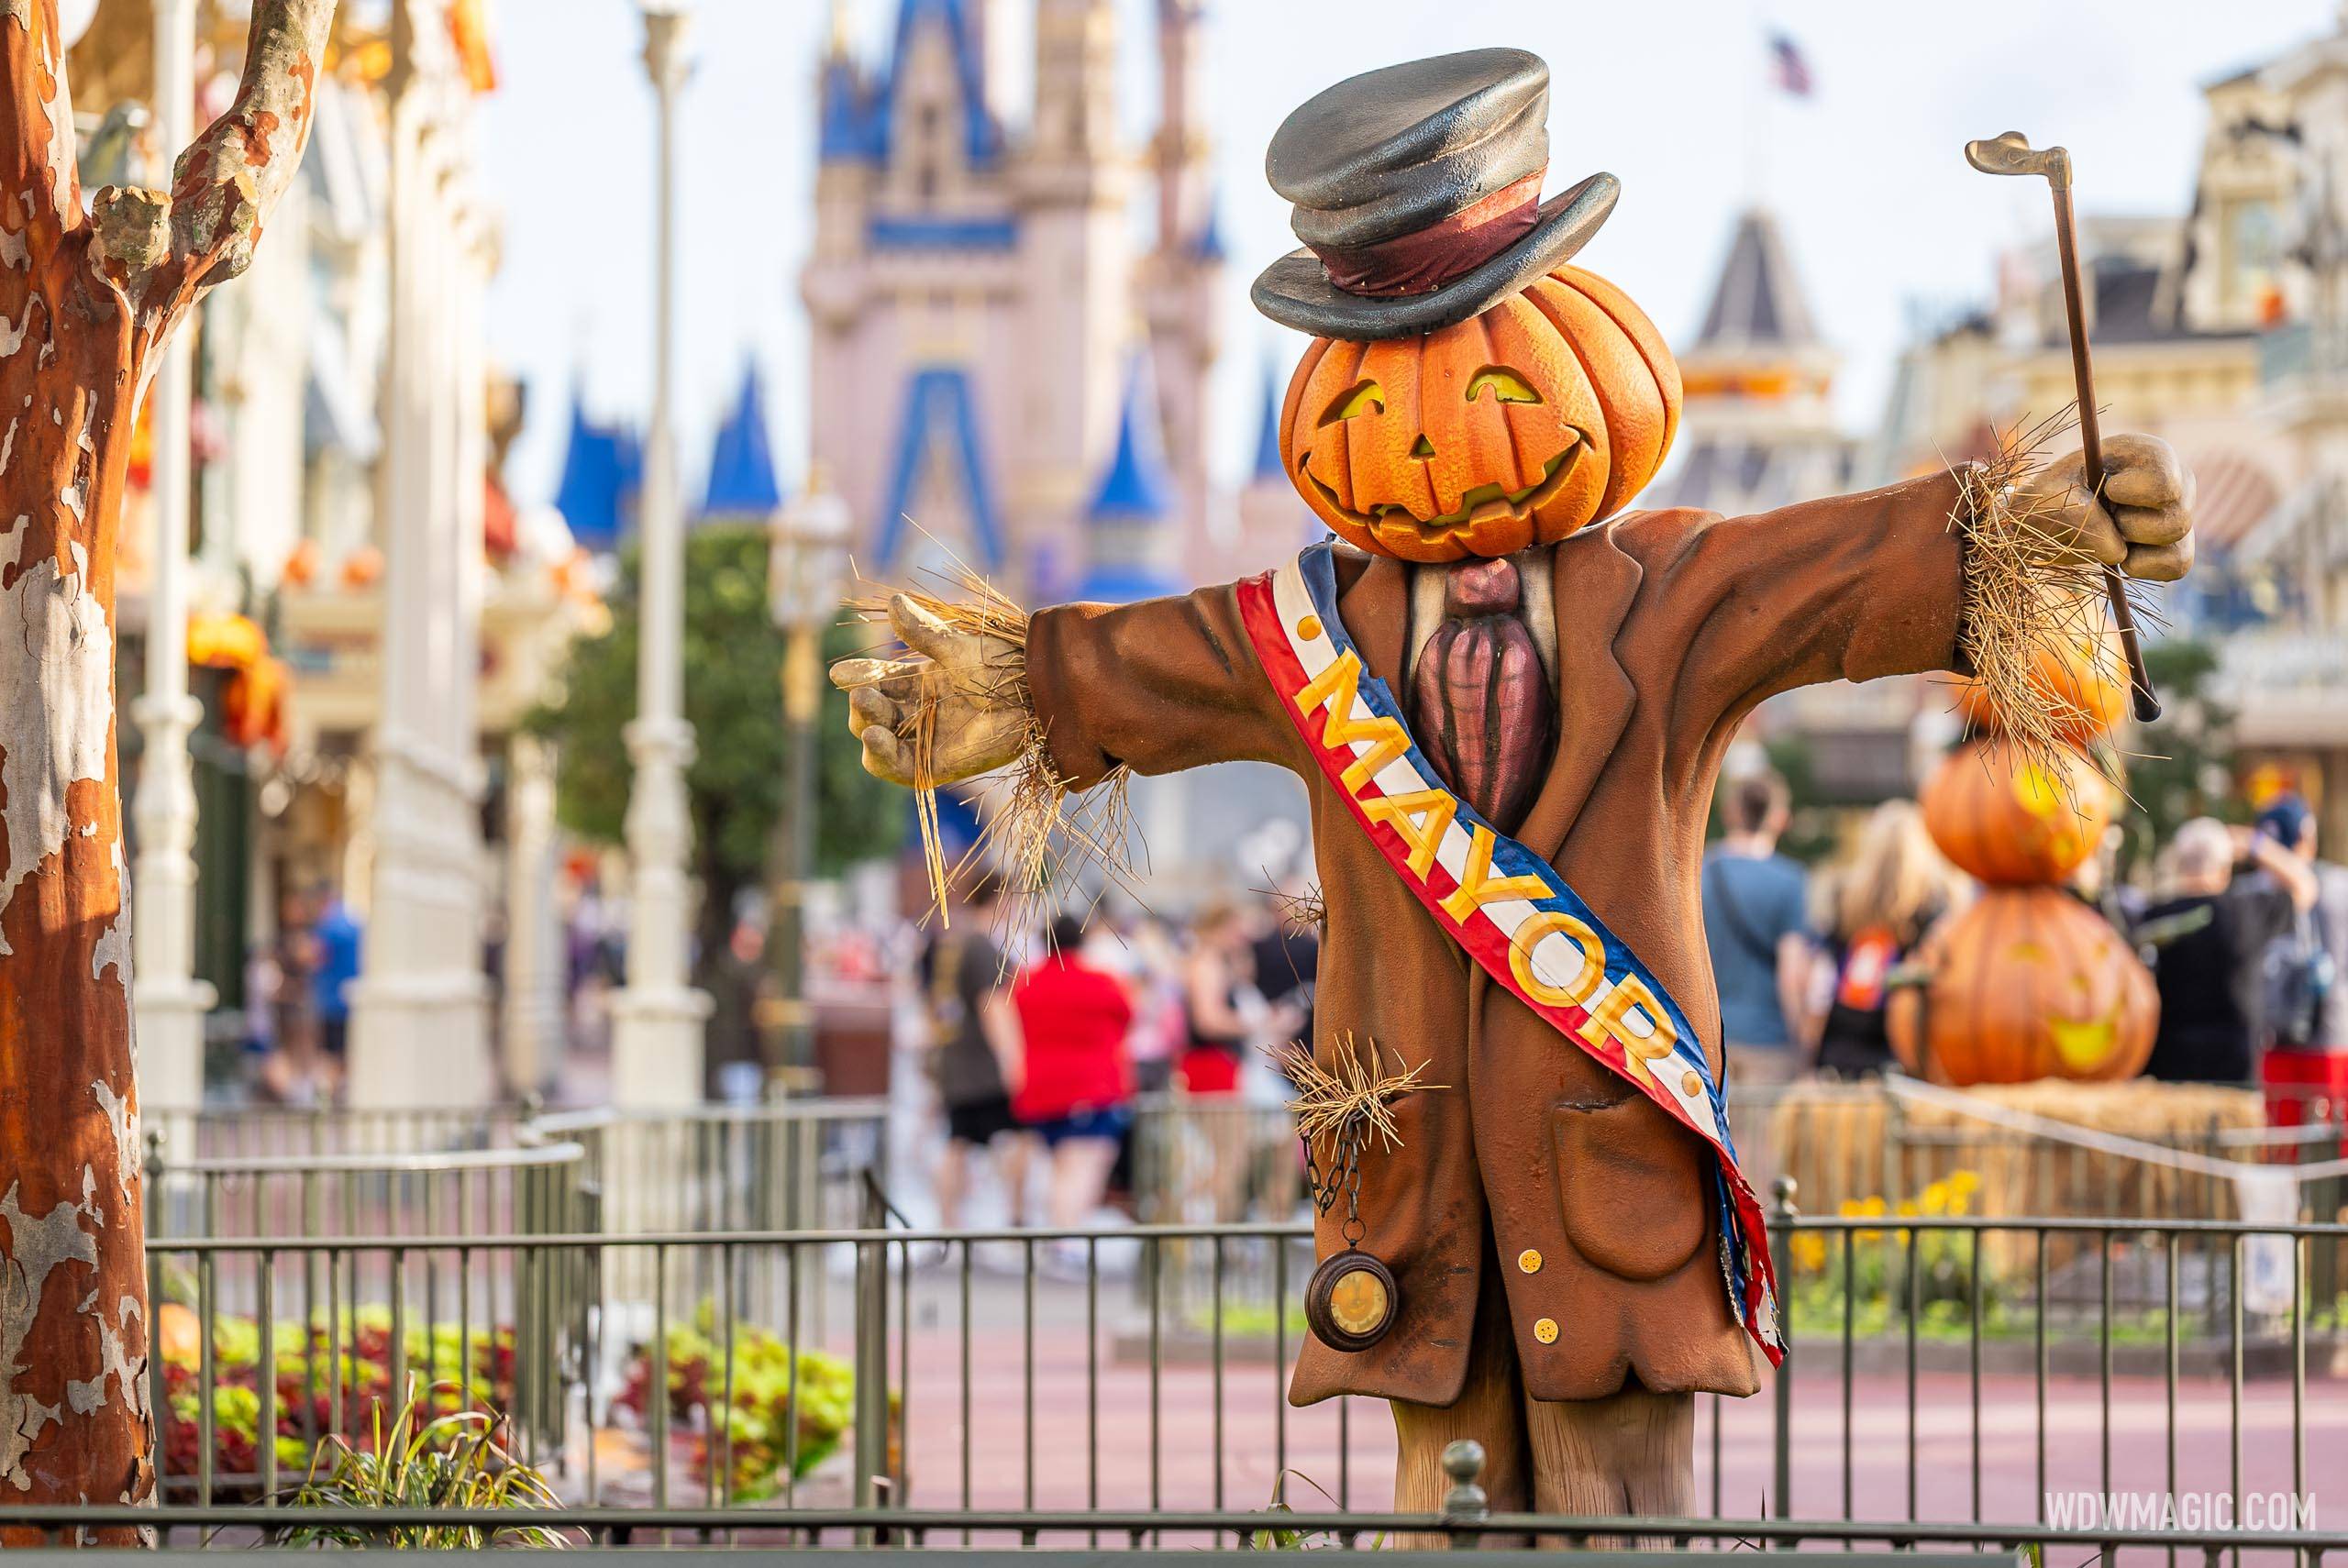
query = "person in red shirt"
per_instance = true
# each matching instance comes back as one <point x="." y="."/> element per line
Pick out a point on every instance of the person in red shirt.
<point x="1075" y="1083"/>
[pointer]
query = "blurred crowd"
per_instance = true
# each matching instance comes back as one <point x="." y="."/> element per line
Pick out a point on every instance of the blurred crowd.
<point x="297" y="985"/>
<point x="1044" y="1045"/>
<point x="2245" y="928"/>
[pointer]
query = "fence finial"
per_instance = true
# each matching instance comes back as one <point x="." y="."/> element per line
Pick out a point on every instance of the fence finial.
<point x="1463" y="1461"/>
<point x="1783" y="1191"/>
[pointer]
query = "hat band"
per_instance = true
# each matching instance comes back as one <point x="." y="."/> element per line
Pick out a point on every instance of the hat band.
<point x="1426" y="259"/>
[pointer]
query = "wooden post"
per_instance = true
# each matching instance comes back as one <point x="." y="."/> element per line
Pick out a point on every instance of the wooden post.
<point x="87" y="298"/>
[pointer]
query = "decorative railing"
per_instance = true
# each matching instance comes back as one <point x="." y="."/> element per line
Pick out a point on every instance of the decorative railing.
<point x="1003" y="1380"/>
<point x="777" y="1166"/>
<point x="2301" y="352"/>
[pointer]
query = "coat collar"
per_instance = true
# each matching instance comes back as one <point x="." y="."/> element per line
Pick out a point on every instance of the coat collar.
<point x="1592" y="584"/>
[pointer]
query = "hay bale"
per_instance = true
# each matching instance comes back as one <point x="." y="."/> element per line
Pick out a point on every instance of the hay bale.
<point x="1847" y="1142"/>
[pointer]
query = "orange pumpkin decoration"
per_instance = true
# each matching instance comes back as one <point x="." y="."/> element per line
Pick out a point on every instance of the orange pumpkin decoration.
<point x="2082" y="678"/>
<point x="2007" y="820"/>
<point x="362" y="567"/>
<point x="178" y="1333"/>
<point x="223" y="640"/>
<point x="253" y="706"/>
<point x="1510" y="429"/>
<point x="2027" y="983"/>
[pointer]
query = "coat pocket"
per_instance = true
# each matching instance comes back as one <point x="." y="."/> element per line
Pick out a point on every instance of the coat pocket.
<point x="1631" y="1182"/>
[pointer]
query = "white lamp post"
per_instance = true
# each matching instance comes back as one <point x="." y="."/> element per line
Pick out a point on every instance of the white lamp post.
<point x="805" y="565"/>
<point x="658" y="1016"/>
<point x="168" y="999"/>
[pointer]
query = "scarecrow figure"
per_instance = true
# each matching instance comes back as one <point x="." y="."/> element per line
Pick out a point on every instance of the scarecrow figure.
<point x="1509" y="700"/>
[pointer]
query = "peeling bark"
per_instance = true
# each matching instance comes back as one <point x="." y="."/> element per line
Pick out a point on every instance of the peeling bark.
<point x="86" y="300"/>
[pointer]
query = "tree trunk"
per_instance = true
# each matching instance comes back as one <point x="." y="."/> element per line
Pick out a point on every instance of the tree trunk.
<point x="85" y="298"/>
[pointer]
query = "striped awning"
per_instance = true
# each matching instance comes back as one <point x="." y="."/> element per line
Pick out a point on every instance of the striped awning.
<point x="2233" y="494"/>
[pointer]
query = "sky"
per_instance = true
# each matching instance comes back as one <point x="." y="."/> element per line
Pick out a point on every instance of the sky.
<point x="1867" y="176"/>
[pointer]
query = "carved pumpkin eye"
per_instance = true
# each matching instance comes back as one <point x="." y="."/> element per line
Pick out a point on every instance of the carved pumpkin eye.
<point x="1506" y="384"/>
<point x="1362" y="397"/>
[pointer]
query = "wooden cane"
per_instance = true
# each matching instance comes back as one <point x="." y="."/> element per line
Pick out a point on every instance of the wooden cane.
<point x="2012" y="154"/>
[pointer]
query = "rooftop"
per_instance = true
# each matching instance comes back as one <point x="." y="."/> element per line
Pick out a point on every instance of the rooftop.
<point x="1757" y="302"/>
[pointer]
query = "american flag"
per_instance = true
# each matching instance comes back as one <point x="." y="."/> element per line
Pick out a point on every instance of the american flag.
<point x="1788" y="70"/>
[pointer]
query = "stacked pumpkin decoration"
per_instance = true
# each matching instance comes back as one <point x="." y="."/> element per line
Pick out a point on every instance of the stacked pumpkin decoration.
<point x="2027" y="983"/>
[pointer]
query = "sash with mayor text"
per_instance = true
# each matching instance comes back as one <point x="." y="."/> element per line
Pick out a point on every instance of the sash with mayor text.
<point x="1505" y="905"/>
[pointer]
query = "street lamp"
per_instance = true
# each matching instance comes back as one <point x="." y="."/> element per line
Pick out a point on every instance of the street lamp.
<point x="658" y="1016"/>
<point x="806" y="560"/>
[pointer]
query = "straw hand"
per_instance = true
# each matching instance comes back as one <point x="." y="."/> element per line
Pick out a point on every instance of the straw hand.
<point x="2142" y="523"/>
<point x="950" y="712"/>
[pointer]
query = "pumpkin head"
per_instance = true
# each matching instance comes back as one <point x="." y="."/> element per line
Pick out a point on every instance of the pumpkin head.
<point x="1510" y="429"/>
<point x="2007" y="819"/>
<point x="2081" y="678"/>
<point x="2027" y="983"/>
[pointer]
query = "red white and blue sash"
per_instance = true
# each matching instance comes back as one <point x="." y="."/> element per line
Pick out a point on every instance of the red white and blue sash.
<point x="1502" y="902"/>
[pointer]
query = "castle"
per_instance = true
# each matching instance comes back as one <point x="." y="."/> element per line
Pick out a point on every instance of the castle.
<point x="1001" y="374"/>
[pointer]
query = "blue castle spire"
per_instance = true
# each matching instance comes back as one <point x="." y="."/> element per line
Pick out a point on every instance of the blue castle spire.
<point x="1209" y="245"/>
<point x="741" y="462"/>
<point x="853" y="119"/>
<point x="1268" y="467"/>
<point x="601" y="467"/>
<point x="1130" y="509"/>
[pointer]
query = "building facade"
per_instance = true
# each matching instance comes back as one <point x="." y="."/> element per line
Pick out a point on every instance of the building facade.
<point x="2222" y="330"/>
<point x="995" y="352"/>
<point x="1757" y="432"/>
<point x="355" y="561"/>
<point x="1014" y="332"/>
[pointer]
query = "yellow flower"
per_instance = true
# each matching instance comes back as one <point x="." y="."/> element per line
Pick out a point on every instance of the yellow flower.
<point x="1936" y="1198"/>
<point x="1808" y="1250"/>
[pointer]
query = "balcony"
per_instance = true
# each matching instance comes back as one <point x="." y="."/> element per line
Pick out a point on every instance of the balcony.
<point x="2303" y="373"/>
<point x="2287" y="687"/>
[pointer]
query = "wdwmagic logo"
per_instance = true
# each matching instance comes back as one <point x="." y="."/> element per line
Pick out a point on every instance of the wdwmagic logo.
<point x="2261" y="1511"/>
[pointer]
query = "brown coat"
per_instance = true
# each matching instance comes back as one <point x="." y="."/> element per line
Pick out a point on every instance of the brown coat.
<point x="1670" y="626"/>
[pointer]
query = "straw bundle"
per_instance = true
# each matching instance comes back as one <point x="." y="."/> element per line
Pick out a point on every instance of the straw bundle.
<point x="1300" y="911"/>
<point x="2025" y="592"/>
<point x="1039" y="836"/>
<point x="1346" y="1094"/>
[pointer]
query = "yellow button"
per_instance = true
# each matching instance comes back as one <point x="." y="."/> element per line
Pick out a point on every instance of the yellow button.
<point x="1690" y="1085"/>
<point x="1529" y="1261"/>
<point x="1309" y="628"/>
<point x="1545" y="1331"/>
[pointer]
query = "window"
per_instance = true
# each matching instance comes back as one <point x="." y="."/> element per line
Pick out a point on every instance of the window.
<point x="2250" y="247"/>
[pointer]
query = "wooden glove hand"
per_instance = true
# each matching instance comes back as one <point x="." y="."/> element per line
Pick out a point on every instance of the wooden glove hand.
<point x="2143" y="522"/>
<point x="970" y="680"/>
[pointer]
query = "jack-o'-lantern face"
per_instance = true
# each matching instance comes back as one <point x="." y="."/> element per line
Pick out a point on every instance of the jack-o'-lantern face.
<point x="1510" y="429"/>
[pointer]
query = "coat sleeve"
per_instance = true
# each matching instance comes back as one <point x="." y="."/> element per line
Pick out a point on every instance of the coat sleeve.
<point x="1849" y="587"/>
<point x="1157" y="686"/>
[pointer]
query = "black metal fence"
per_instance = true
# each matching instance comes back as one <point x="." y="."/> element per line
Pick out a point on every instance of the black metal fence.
<point x="1981" y="1372"/>
<point x="712" y="1319"/>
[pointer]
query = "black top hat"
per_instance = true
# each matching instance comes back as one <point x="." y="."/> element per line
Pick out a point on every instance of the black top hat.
<point x="1418" y="197"/>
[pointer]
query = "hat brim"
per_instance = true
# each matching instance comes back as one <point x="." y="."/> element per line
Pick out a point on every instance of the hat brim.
<point x="1295" y="292"/>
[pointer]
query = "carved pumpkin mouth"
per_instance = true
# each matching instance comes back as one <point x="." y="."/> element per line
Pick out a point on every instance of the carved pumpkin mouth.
<point x="1485" y="503"/>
